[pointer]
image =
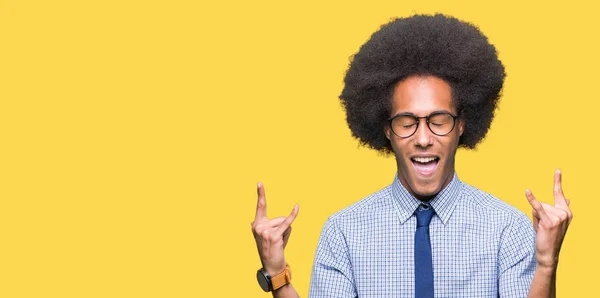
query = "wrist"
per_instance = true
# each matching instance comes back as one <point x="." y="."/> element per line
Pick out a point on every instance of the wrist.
<point x="271" y="282"/>
<point x="274" y="270"/>
<point x="547" y="262"/>
<point x="548" y="269"/>
<point x="283" y="288"/>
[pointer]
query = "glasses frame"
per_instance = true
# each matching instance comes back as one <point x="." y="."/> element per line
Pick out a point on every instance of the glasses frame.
<point x="418" y="121"/>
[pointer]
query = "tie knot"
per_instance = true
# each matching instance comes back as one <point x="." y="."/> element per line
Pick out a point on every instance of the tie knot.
<point x="424" y="215"/>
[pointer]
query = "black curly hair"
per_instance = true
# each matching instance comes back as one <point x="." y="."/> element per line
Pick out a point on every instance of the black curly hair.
<point x="437" y="45"/>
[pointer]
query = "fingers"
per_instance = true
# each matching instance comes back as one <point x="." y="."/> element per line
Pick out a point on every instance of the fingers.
<point x="261" y="222"/>
<point x="554" y="213"/>
<point x="551" y="216"/>
<point x="536" y="218"/>
<point x="261" y="204"/>
<point x="286" y="235"/>
<point x="537" y="206"/>
<point x="288" y="220"/>
<point x="559" y="197"/>
<point x="271" y="223"/>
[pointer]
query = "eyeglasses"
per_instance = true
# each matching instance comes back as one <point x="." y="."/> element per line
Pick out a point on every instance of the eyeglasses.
<point x="405" y="125"/>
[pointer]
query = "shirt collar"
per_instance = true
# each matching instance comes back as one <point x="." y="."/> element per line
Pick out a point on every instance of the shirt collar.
<point x="443" y="203"/>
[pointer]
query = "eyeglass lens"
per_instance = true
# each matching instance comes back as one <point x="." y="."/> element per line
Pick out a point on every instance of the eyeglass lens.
<point x="439" y="124"/>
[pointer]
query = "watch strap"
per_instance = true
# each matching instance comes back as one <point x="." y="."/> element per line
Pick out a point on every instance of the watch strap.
<point x="282" y="279"/>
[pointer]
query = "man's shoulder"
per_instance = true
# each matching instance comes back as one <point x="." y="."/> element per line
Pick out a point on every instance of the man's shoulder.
<point x="377" y="202"/>
<point x="490" y="204"/>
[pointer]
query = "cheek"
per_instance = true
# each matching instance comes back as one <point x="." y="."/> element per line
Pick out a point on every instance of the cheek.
<point x="399" y="146"/>
<point x="451" y="144"/>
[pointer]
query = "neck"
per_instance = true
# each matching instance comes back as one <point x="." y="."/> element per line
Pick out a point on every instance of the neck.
<point x="430" y="196"/>
<point x="422" y="198"/>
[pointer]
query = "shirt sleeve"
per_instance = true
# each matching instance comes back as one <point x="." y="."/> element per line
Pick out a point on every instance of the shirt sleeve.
<point x="332" y="274"/>
<point x="517" y="258"/>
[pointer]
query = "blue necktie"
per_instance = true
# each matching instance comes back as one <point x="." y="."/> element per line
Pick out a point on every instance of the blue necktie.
<point x="423" y="262"/>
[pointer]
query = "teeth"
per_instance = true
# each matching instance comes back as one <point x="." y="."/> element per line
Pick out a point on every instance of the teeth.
<point x="424" y="159"/>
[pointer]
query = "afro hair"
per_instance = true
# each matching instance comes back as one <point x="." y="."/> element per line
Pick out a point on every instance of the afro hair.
<point x="436" y="45"/>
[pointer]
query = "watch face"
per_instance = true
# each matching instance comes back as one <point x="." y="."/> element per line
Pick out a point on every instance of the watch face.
<point x="264" y="280"/>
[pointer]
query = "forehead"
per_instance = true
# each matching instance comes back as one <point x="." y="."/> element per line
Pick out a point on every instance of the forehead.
<point x="422" y="95"/>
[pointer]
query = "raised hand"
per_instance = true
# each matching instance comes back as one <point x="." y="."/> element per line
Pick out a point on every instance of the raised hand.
<point x="550" y="223"/>
<point x="271" y="235"/>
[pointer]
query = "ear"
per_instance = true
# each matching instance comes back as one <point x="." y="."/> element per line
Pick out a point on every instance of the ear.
<point x="386" y="130"/>
<point x="461" y="126"/>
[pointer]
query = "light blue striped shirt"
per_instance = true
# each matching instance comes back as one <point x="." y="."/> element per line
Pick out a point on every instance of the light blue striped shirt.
<point x="481" y="246"/>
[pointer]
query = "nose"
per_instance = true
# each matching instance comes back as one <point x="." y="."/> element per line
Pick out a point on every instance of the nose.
<point x="423" y="136"/>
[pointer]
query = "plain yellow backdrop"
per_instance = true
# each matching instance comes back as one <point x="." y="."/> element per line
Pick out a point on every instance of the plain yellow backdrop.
<point x="132" y="135"/>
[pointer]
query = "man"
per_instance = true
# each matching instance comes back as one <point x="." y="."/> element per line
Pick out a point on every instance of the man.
<point x="420" y="88"/>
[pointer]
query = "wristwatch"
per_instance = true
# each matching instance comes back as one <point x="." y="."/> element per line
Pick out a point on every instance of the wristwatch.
<point x="270" y="283"/>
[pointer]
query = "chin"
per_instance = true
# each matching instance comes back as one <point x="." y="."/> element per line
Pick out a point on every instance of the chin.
<point x="424" y="188"/>
<point x="428" y="191"/>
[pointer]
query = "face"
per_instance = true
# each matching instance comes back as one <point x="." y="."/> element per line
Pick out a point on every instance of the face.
<point x="425" y="160"/>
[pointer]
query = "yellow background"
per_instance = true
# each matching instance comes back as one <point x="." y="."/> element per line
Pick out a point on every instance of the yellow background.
<point x="132" y="135"/>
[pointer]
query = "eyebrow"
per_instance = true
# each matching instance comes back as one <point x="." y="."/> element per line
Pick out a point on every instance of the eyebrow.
<point x="411" y="114"/>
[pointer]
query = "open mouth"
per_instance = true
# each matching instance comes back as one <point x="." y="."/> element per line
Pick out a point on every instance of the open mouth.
<point x="425" y="166"/>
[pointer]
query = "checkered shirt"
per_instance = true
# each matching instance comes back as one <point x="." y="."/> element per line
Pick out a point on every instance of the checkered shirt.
<point x="481" y="246"/>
